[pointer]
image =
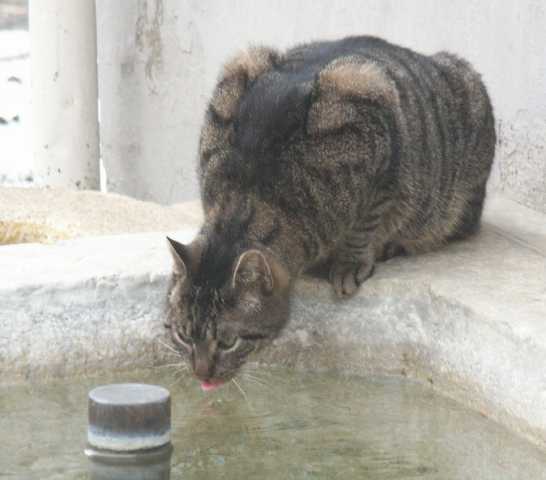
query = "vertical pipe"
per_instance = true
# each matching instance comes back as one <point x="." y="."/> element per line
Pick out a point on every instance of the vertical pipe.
<point x="64" y="93"/>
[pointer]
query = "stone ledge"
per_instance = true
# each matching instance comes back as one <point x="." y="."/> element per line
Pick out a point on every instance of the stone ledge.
<point x="470" y="320"/>
<point x="46" y="215"/>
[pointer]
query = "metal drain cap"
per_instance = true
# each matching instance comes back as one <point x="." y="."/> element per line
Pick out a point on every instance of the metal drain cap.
<point x="126" y="417"/>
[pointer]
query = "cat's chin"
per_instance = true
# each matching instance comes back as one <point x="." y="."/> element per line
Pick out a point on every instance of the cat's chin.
<point x="209" y="386"/>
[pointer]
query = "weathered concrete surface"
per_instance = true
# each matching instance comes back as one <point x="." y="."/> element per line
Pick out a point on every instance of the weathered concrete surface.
<point x="51" y="214"/>
<point x="470" y="319"/>
<point x="16" y="158"/>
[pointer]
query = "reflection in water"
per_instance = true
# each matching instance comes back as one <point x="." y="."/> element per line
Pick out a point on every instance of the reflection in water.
<point x="287" y="425"/>
<point x="135" y="466"/>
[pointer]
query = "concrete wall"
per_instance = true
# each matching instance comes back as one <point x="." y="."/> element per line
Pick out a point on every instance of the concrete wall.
<point x="158" y="60"/>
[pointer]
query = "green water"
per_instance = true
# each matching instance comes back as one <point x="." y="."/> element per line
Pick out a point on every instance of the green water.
<point x="285" y="426"/>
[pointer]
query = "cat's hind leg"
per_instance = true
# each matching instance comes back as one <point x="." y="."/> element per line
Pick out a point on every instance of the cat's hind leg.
<point x="390" y="250"/>
<point x="469" y="222"/>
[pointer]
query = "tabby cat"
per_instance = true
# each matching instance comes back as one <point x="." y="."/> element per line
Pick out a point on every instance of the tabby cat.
<point x="337" y="153"/>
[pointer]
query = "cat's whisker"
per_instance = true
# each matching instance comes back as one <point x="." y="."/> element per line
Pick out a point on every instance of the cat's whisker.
<point x="180" y="374"/>
<point x="182" y="367"/>
<point x="257" y="369"/>
<point x="236" y="383"/>
<point x="169" y="354"/>
<point x="168" y="347"/>
<point x="251" y="367"/>
<point x="250" y="375"/>
<point x="254" y="379"/>
<point x="178" y="365"/>
<point x="264" y="376"/>
<point x="175" y="381"/>
<point x="253" y="383"/>
<point x="176" y="359"/>
<point x="177" y="376"/>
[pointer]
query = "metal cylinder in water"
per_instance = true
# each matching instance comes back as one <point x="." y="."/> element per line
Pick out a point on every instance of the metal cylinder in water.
<point x="128" y="435"/>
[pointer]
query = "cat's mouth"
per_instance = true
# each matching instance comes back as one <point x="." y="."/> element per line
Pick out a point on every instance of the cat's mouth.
<point x="209" y="385"/>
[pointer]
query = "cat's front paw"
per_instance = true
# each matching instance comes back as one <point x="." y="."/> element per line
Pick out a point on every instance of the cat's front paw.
<point x="347" y="277"/>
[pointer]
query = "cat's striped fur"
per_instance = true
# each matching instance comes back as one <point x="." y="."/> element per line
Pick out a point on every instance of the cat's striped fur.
<point x="337" y="153"/>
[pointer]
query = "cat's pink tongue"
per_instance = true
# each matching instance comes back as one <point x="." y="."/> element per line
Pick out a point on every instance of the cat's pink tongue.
<point x="209" y="386"/>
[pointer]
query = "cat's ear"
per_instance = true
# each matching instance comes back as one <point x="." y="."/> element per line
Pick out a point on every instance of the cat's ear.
<point x="236" y="77"/>
<point x="179" y="253"/>
<point x="339" y="88"/>
<point x="186" y="257"/>
<point x="253" y="271"/>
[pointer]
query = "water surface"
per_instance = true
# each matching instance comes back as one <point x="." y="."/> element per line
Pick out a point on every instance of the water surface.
<point x="282" y="425"/>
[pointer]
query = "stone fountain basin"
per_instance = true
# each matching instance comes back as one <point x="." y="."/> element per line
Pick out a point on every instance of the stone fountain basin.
<point x="469" y="320"/>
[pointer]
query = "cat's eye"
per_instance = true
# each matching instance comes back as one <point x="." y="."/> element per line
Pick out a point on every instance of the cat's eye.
<point x="227" y="343"/>
<point x="253" y="337"/>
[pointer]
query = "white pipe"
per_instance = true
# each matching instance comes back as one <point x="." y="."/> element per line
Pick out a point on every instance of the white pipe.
<point x="64" y="93"/>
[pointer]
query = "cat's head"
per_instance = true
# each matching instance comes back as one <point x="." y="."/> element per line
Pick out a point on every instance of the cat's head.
<point x="223" y="307"/>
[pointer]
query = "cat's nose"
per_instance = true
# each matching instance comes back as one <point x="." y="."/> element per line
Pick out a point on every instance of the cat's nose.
<point x="202" y="367"/>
